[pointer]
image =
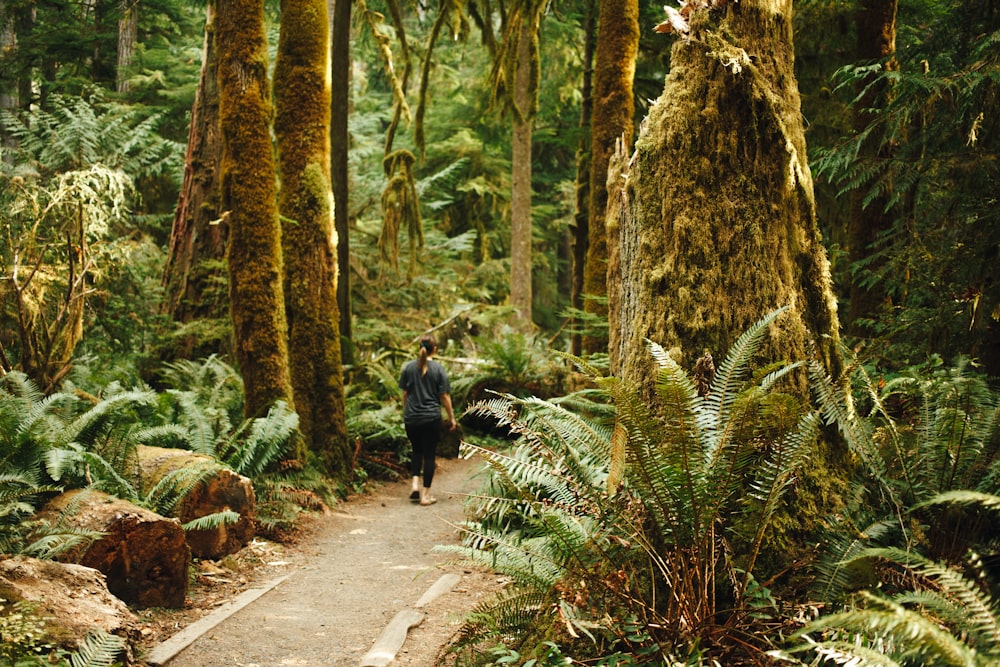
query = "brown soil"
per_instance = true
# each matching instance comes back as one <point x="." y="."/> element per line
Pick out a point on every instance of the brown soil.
<point x="350" y="572"/>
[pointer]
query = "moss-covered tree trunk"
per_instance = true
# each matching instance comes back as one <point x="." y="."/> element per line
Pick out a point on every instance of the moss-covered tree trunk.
<point x="302" y="126"/>
<point x="340" y="93"/>
<point x="716" y="224"/>
<point x="875" y="22"/>
<point x="614" y="69"/>
<point x="581" y="216"/>
<point x="249" y="200"/>
<point x="195" y="276"/>
<point x="524" y="92"/>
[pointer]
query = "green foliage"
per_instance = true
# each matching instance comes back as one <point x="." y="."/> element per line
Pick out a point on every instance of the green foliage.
<point x="918" y="435"/>
<point x="947" y="619"/>
<point x="23" y="483"/>
<point x="78" y="132"/>
<point x="932" y="155"/>
<point x="81" y="441"/>
<point x="71" y="241"/>
<point x="597" y="522"/>
<point x="24" y="644"/>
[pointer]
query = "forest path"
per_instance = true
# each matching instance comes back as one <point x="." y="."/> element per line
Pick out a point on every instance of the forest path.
<point x="368" y="567"/>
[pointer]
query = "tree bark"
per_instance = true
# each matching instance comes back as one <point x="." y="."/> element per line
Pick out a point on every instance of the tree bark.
<point x="128" y="26"/>
<point x="302" y="126"/>
<point x="875" y="23"/>
<point x="712" y="225"/>
<point x="580" y="233"/>
<point x="614" y="107"/>
<point x="716" y="224"/>
<point x="143" y="555"/>
<point x="219" y="491"/>
<point x="249" y="199"/>
<point x="195" y="276"/>
<point x="520" y="216"/>
<point x="340" y="93"/>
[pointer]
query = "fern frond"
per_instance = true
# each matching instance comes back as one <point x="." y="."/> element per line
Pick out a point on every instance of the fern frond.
<point x="50" y="542"/>
<point x="98" y="649"/>
<point x="212" y="521"/>
<point x="960" y="598"/>
<point x="834" y="572"/>
<point x="730" y="376"/>
<point x="986" y="501"/>
<point x="269" y="437"/>
<point x="173" y="487"/>
<point x="910" y="634"/>
<point x="510" y="613"/>
<point x="775" y="474"/>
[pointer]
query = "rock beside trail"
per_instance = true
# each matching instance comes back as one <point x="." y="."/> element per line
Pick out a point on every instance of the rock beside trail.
<point x="72" y="599"/>
<point x="219" y="490"/>
<point x="143" y="555"/>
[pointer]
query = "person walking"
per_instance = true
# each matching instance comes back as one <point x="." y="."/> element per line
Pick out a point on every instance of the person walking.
<point x="425" y="389"/>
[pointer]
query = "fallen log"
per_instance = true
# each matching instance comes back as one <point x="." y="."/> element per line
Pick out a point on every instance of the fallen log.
<point x="219" y="490"/>
<point x="72" y="599"/>
<point x="143" y="555"/>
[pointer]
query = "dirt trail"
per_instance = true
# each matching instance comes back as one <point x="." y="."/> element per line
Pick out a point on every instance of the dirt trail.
<point x="372" y="558"/>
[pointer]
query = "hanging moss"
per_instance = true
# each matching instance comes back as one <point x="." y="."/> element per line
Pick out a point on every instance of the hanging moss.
<point x="249" y="200"/>
<point x="302" y="97"/>
<point x="400" y="208"/>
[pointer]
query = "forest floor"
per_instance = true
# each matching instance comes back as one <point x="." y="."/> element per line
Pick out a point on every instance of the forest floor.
<point x="344" y="578"/>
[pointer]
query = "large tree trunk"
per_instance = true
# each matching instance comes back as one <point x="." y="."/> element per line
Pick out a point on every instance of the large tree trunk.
<point x="875" y="22"/>
<point x="220" y="490"/>
<point x="340" y="104"/>
<point x="143" y="555"/>
<point x="249" y="199"/>
<point x="614" y="106"/>
<point x="520" y="186"/>
<point x="716" y="225"/>
<point x="302" y="127"/>
<point x="194" y="277"/>
<point x="581" y="217"/>
<point x="53" y="589"/>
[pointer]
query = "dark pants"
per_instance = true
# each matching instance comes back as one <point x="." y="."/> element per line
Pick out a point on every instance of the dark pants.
<point x="424" y="438"/>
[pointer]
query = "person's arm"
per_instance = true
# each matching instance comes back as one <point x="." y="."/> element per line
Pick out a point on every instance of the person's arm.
<point x="446" y="402"/>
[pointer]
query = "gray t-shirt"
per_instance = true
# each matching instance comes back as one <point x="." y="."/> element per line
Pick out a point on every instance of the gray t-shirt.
<point x="423" y="400"/>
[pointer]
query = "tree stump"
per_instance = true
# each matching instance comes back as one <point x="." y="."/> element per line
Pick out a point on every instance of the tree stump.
<point x="143" y="555"/>
<point x="221" y="490"/>
<point x="72" y="599"/>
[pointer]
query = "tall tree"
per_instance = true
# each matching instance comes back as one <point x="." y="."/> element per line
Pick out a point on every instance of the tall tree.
<point x="526" y="68"/>
<point x="128" y="27"/>
<point x="8" y="76"/>
<point x="249" y="200"/>
<point x="581" y="217"/>
<point x="712" y="225"/>
<point x="875" y="23"/>
<point x="715" y="223"/>
<point x="194" y="274"/>
<point x="516" y="74"/>
<point x="340" y="104"/>
<point x="614" y="70"/>
<point x="302" y="127"/>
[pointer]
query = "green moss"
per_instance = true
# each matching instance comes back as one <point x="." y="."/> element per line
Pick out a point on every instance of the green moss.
<point x="249" y="196"/>
<point x="302" y="96"/>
